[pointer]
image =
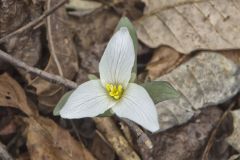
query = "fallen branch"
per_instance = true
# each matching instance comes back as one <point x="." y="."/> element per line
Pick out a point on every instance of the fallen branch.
<point x="45" y="75"/>
<point x="142" y="137"/>
<point x="114" y="136"/>
<point x="34" y="22"/>
<point x="4" y="155"/>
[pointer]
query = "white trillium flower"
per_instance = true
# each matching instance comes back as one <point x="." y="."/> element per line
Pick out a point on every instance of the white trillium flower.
<point x="113" y="90"/>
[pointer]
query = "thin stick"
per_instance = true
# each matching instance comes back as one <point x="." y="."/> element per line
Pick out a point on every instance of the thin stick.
<point x="142" y="137"/>
<point x="4" y="155"/>
<point x="34" y="22"/>
<point x="50" y="40"/>
<point x="45" y="75"/>
<point x="214" y="132"/>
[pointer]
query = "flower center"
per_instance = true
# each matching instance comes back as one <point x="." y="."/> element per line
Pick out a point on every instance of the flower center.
<point x="115" y="91"/>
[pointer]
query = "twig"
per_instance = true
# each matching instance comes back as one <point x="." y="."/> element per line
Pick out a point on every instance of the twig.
<point x="50" y="40"/>
<point x="142" y="137"/>
<point x="114" y="136"/>
<point x="214" y="132"/>
<point x="45" y="75"/>
<point x="4" y="155"/>
<point x="34" y="22"/>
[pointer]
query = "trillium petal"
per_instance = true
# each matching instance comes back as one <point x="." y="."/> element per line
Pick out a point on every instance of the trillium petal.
<point x="118" y="59"/>
<point x="137" y="106"/>
<point x="88" y="100"/>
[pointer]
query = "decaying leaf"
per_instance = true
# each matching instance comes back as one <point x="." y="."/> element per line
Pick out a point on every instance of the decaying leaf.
<point x="9" y="11"/>
<point x="187" y="142"/>
<point x="233" y="55"/>
<point x="163" y="61"/>
<point x="209" y="24"/>
<point x="62" y="50"/>
<point x="207" y="79"/>
<point x="92" y="42"/>
<point x="12" y="95"/>
<point x="46" y="140"/>
<point x="152" y="6"/>
<point x="233" y="139"/>
<point x="25" y="46"/>
<point x="235" y="157"/>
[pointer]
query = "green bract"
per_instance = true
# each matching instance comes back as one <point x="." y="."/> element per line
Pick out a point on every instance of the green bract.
<point x="125" y="22"/>
<point x="160" y="91"/>
<point x="92" y="77"/>
<point x="61" y="103"/>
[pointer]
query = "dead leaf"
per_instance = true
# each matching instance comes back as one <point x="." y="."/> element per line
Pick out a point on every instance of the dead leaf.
<point x="207" y="79"/>
<point x="187" y="142"/>
<point x="46" y="140"/>
<point x="9" y="128"/>
<point x="152" y="6"/>
<point x="233" y="139"/>
<point x="212" y="25"/>
<point x="12" y="95"/>
<point x="163" y="61"/>
<point x="25" y="46"/>
<point x="10" y="12"/>
<point x="62" y="50"/>
<point x="233" y="55"/>
<point x="235" y="157"/>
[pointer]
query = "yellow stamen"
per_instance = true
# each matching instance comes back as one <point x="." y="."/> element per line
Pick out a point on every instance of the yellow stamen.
<point x="115" y="91"/>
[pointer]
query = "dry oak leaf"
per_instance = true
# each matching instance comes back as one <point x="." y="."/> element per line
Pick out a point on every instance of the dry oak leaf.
<point x="12" y="95"/>
<point x="207" y="79"/>
<point x="164" y="60"/>
<point x="233" y="139"/>
<point x="46" y="140"/>
<point x="153" y="6"/>
<point x="188" y="26"/>
<point x="63" y="58"/>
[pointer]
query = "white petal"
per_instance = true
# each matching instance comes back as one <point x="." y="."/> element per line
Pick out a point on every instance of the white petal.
<point x="88" y="100"/>
<point x="137" y="106"/>
<point x="118" y="59"/>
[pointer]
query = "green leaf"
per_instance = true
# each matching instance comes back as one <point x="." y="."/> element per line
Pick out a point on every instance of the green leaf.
<point x="92" y="77"/>
<point x="61" y="103"/>
<point x="125" y="22"/>
<point x="160" y="91"/>
<point x="107" y="113"/>
<point x="133" y="77"/>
